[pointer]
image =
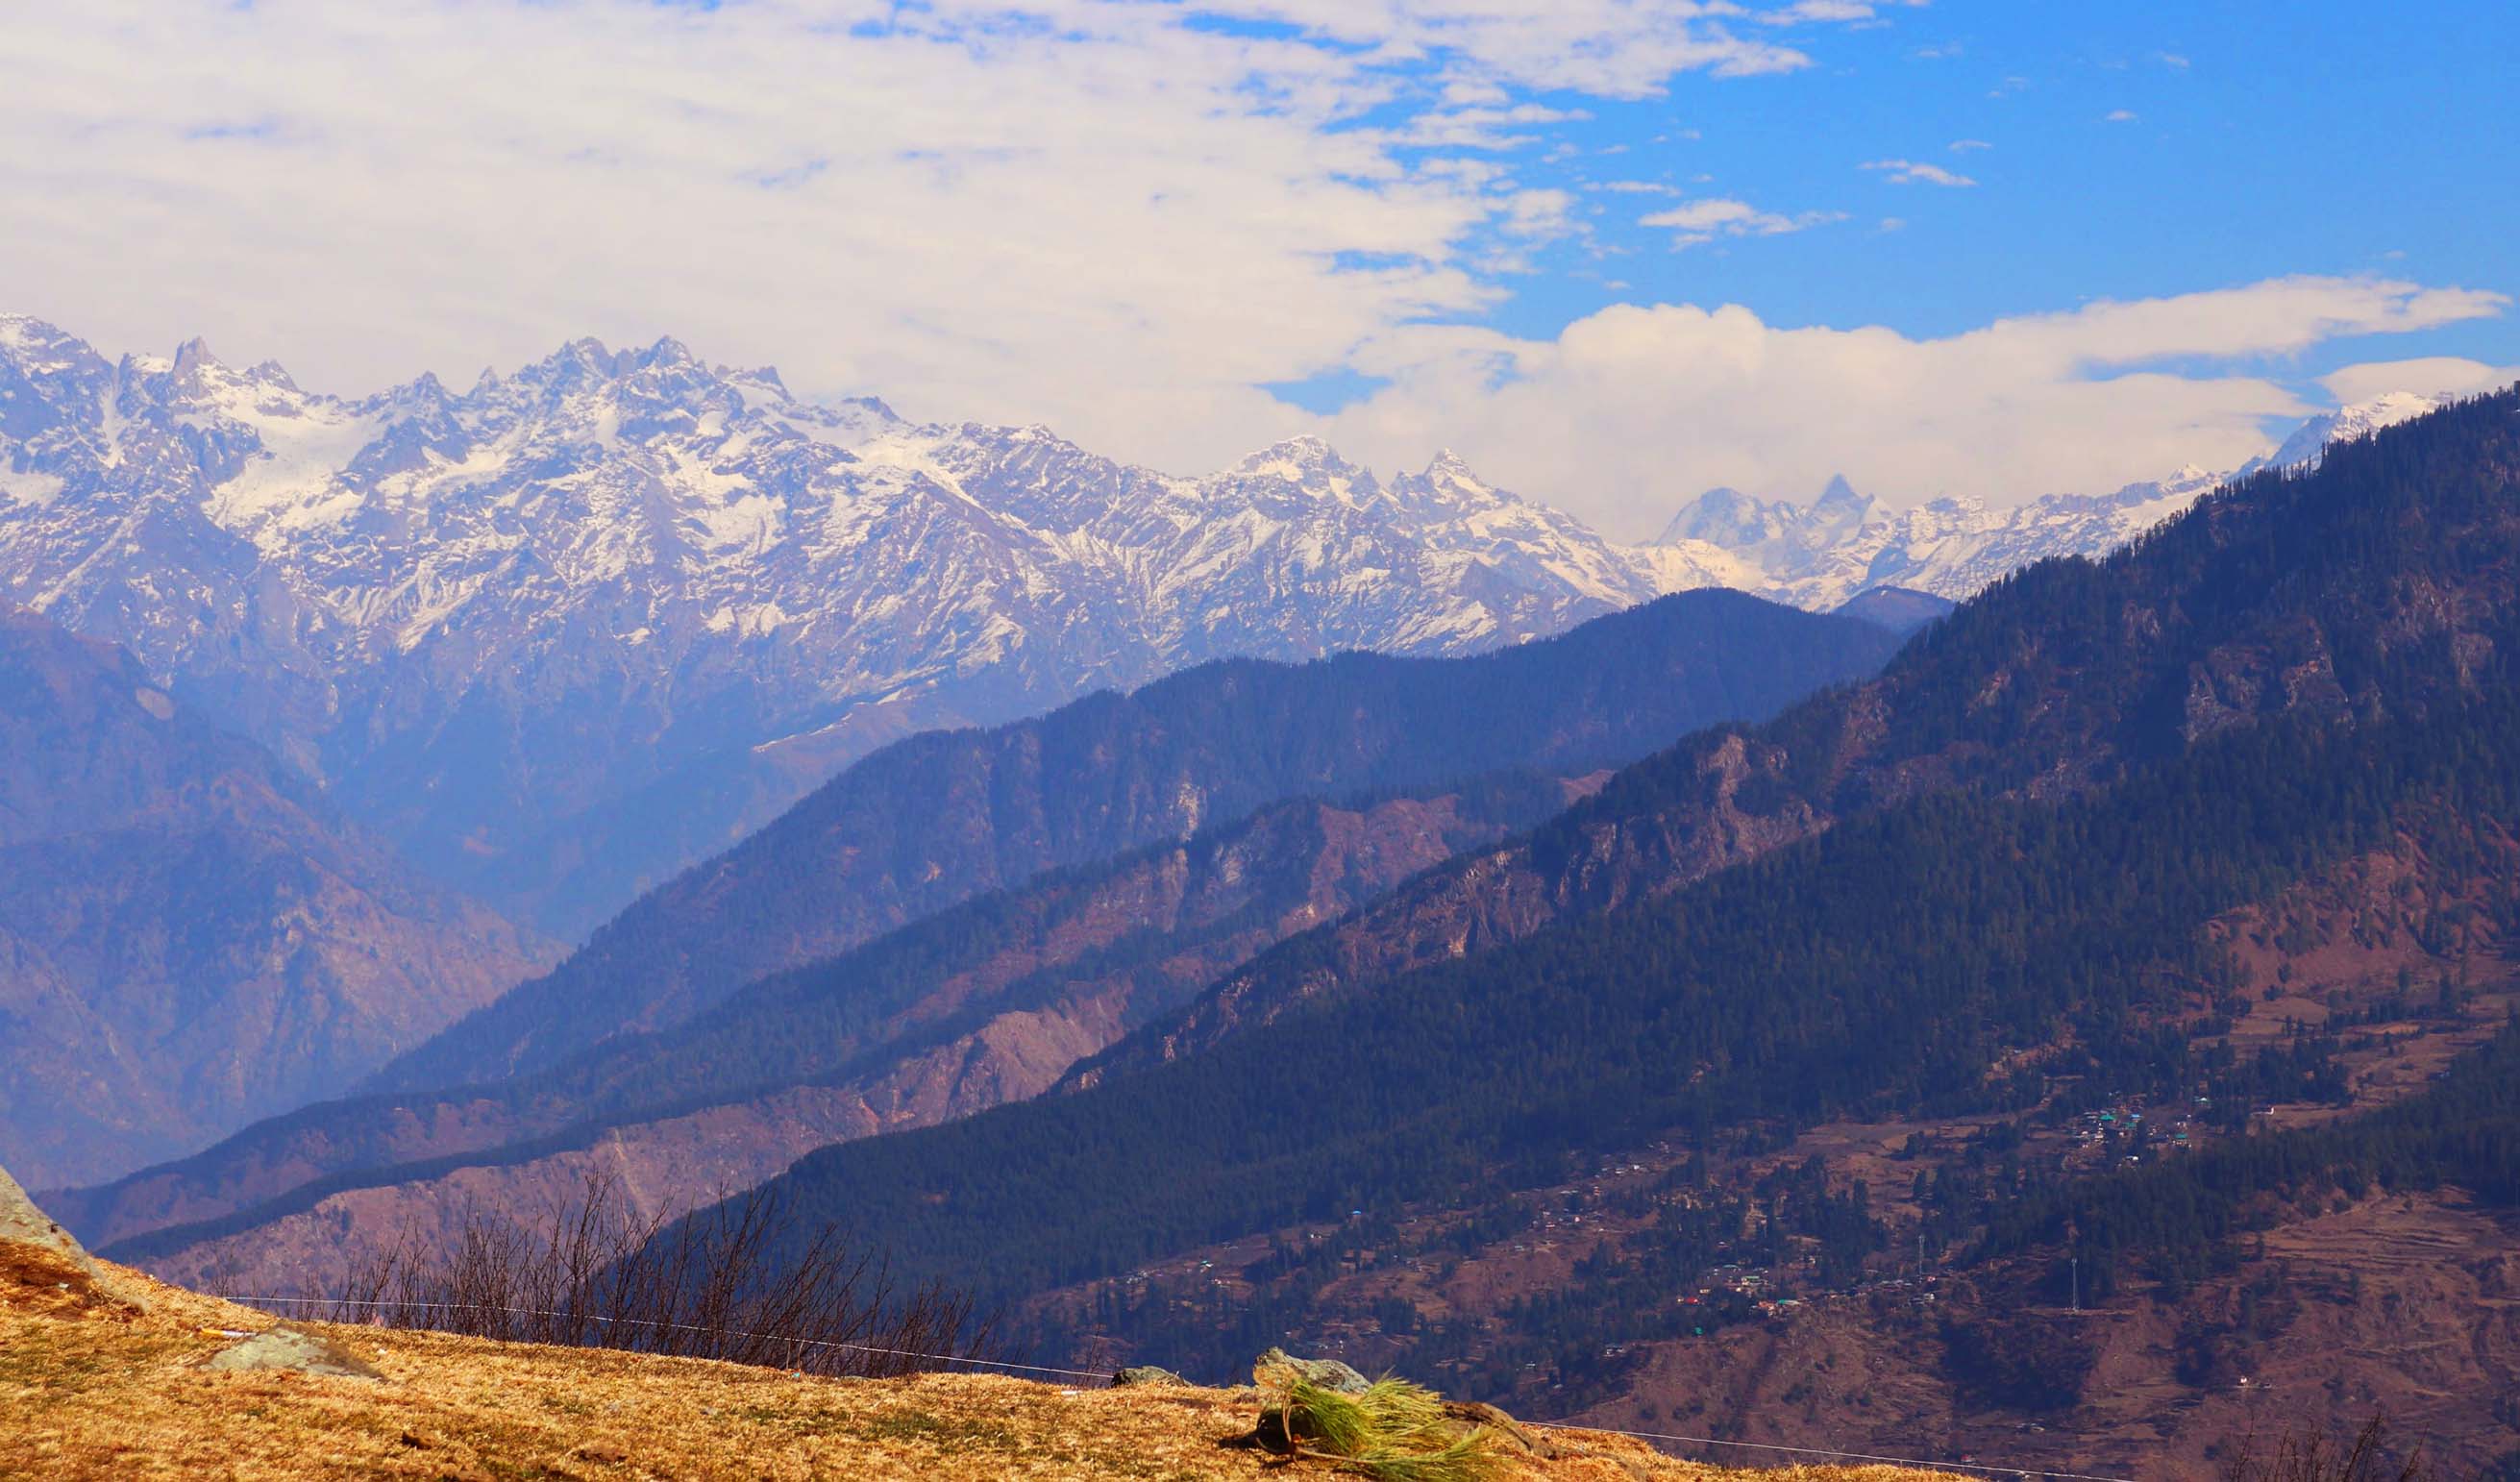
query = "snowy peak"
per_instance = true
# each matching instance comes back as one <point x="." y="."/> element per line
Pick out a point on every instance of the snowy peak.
<point x="2309" y="442"/>
<point x="1822" y="554"/>
<point x="1308" y="464"/>
<point x="1840" y="505"/>
<point x="491" y="618"/>
<point x="1728" y="518"/>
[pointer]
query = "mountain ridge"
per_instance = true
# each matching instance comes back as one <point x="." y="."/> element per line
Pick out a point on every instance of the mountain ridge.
<point x="2204" y="672"/>
<point x="564" y="632"/>
<point x="967" y="827"/>
<point x="484" y="618"/>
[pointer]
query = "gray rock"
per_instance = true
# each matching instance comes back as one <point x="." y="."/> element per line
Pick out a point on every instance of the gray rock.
<point x="21" y="1221"/>
<point x="1329" y="1373"/>
<point x="294" y="1348"/>
<point x="1148" y="1373"/>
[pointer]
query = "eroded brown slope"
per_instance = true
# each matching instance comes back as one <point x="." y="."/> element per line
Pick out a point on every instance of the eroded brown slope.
<point x="1061" y="970"/>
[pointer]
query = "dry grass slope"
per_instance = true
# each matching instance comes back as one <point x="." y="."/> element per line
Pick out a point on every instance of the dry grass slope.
<point x="101" y="1377"/>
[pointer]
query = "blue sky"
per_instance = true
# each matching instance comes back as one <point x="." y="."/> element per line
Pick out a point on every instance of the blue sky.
<point x="2262" y="141"/>
<point x="1611" y="250"/>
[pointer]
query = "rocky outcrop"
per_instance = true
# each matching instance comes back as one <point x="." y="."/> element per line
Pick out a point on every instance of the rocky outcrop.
<point x="23" y="1223"/>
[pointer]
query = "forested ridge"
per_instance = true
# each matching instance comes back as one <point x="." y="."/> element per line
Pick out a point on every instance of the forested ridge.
<point x="2077" y="772"/>
<point x="783" y="961"/>
<point x="1886" y="965"/>
<point x="2370" y="587"/>
<point x="934" y="820"/>
<point x="882" y="1004"/>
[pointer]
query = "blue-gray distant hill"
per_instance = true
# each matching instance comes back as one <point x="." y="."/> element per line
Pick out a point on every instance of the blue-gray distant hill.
<point x="931" y="820"/>
<point x="954" y="920"/>
<point x="190" y="936"/>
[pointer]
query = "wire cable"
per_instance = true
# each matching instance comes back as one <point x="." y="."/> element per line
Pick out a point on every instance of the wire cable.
<point x="1992" y="1469"/>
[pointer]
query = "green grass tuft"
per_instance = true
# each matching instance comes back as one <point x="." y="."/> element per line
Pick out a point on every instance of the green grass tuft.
<point x="1395" y="1431"/>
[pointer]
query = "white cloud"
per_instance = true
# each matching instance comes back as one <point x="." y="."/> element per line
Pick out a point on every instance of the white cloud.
<point x="2119" y="116"/>
<point x="1819" y="10"/>
<point x="1694" y="222"/>
<point x="2430" y="376"/>
<point x="1607" y="48"/>
<point x="1633" y="410"/>
<point x="1014" y="210"/>
<point x="1911" y="171"/>
<point x="1964" y="146"/>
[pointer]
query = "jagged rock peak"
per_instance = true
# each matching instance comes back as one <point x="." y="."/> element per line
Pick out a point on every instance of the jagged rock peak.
<point x="2309" y="442"/>
<point x="1725" y="516"/>
<point x="1841" y="496"/>
<point x="194" y="354"/>
<point x="1304" y="459"/>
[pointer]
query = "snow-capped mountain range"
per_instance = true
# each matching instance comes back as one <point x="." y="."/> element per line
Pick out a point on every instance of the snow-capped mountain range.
<point x="561" y="633"/>
<point x="1822" y="553"/>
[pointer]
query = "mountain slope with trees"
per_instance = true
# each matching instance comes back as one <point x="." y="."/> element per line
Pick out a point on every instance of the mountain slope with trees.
<point x="2010" y="845"/>
<point x="980" y="1004"/>
<point x="934" y="820"/>
<point x="1013" y="985"/>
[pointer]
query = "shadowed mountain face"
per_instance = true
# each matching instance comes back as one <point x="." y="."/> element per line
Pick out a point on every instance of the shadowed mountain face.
<point x="1186" y="828"/>
<point x="935" y="820"/>
<point x="976" y="1006"/>
<point x="1903" y="899"/>
<point x="189" y="937"/>
<point x="1897" y="609"/>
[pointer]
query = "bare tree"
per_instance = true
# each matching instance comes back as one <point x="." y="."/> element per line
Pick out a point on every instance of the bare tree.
<point x="2314" y="1455"/>
<point x="736" y="1282"/>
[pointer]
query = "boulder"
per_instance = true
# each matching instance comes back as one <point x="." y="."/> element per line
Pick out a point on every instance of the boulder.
<point x="1327" y="1374"/>
<point x="22" y="1222"/>
<point x="299" y="1350"/>
<point x="1148" y="1373"/>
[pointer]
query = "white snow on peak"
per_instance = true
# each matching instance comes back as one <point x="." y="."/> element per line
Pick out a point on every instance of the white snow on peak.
<point x="1822" y="554"/>
<point x="2359" y="420"/>
<point x="420" y="585"/>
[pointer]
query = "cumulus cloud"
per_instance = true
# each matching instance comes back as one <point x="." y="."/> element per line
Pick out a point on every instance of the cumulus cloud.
<point x="1912" y="171"/>
<point x="1694" y="222"/>
<point x="1115" y="217"/>
<point x="2429" y="376"/>
<point x="1633" y="410"/>
<point x="1803" y="12"/>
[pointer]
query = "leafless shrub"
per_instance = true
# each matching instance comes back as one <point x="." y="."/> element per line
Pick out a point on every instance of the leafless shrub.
<point x="596" y="1274"/>
<point x="2314" y="1455"/>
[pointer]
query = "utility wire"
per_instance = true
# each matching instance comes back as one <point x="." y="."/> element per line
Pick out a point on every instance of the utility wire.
<point x="1105" y="1381"/>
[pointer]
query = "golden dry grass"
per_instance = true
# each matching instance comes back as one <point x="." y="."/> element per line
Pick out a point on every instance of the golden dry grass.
<point x="92" y="1388"/>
